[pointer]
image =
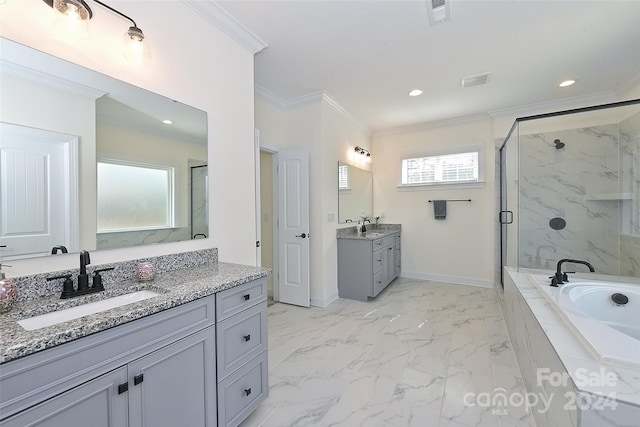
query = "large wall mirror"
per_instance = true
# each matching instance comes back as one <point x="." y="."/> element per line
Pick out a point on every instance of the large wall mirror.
<point x="90" y="162"/>
<point x="355" y="193"/>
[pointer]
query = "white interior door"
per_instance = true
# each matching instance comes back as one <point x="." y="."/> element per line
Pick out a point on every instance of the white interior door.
<point x="293" y="232"/>
<point x="38" y="191"/>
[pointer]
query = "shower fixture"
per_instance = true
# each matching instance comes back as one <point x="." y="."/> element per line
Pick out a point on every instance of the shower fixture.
<point x="559" y="144"/>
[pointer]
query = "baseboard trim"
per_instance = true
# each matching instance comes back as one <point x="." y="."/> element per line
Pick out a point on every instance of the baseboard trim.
<point x="319" y="302"/>
<point x="458" y="280"/>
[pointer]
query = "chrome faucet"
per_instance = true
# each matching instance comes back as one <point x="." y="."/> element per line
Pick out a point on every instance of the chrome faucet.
<point x="364" y="227"/>
<point x="559" y="278"/>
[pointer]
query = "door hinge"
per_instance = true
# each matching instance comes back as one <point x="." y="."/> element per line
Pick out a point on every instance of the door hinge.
<point x="258" y="244"/>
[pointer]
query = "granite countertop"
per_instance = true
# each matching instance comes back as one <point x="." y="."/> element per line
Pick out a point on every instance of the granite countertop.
<point x="175" y="288"/>
<point x="373" y="232"/>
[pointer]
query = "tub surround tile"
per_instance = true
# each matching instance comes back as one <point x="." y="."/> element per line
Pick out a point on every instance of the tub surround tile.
<point x="180" y="280"/>
<point x="543" y="340"/>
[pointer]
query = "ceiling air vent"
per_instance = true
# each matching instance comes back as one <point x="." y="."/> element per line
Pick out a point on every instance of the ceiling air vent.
<point x="438" y="11"/>
<point x="475" y="79"/>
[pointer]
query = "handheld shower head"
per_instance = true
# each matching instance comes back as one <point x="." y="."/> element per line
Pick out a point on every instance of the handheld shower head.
<point x="559" y="144"/>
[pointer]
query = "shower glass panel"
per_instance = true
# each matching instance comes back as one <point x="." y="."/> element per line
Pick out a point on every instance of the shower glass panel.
<point x="571" y="182"/>
<point x="199" y="195"/>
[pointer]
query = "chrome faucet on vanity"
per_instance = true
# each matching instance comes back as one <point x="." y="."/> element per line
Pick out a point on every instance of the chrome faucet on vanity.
<point x="559" y="278"/>
<point x="68" y="290"/>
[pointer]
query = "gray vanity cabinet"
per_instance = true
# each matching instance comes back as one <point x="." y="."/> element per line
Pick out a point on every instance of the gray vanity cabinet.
<point x="155" y="371"/>
<point x="174" y="386"/>
<point x="241" y="336"/>
<point x="366" y="267"/>
<point x="95" y="403"/>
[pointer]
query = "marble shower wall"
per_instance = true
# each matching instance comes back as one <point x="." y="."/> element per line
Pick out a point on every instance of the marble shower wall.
<point x="199" y="192"/>
<point x="630" y="205"/>
<point x="578" y="183"/>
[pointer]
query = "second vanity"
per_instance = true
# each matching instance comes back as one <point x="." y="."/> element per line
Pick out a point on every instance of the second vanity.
<point x="367" y="261"/>
<point x="194" y="355"/>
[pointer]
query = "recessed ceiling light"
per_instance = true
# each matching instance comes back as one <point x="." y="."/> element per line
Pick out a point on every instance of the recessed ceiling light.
<point x="167" y="122"/>
<point x="566" y="83"/>
<point x="415" y="92"/>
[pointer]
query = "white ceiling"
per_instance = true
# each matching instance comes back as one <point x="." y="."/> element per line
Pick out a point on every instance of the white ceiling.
<point x="368" y="54"/>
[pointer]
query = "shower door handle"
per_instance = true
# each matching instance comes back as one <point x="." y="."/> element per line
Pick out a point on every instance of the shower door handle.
<point x="506" y="217"/>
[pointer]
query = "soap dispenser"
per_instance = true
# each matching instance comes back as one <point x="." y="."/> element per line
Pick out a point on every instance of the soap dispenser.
<point x="8" y="292"/>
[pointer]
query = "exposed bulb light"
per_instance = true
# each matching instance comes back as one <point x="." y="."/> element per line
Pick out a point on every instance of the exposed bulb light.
<point x="167" y="122"/>
<point x="415" y="92"/>
<point x="567" y="83"/>
<point x="76" y="12"/>
<point x="72" y="18"/>
<point x="362" y="151"/>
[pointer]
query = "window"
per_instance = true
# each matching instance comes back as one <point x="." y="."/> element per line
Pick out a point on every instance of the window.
<point x="343" y="177"/>
<point x="452" y="168"/>
<point x="146" y="202"/>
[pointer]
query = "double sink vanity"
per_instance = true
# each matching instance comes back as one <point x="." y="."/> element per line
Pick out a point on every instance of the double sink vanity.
<point x="191" y="351"/>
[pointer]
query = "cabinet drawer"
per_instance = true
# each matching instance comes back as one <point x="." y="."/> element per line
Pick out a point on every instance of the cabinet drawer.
<point x="241" y="297"/>
<point x="378" y="244"/>
<point x="377" y="261"/>
<point x="241" y="392"/>
<point x="240" y="338"/>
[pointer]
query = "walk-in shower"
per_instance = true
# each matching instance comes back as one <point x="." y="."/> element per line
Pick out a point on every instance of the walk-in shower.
<point x="581" y="200"/>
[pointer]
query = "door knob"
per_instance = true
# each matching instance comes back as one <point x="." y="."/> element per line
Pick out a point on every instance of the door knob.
<point x="303" y="235"/>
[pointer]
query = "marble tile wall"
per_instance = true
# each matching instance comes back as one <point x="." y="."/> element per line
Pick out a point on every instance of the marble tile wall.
<point x="630" y="207"/>
<point x="199" y="192"/>
<point x="576" y="183"/>
<point x="125" y="239"/>
<point x="533" y="351"/>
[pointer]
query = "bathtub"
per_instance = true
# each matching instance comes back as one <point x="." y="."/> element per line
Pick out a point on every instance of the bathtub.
<point x="605" y="316"/>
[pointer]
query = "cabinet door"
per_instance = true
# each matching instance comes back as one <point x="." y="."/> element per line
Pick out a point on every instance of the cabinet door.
<point x="175" y="386"/>
<point x="96" y="403"/>
<point x="391" y="261"/>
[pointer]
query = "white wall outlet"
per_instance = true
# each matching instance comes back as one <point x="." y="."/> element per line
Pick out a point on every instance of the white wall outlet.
<point x="331" y="217"/>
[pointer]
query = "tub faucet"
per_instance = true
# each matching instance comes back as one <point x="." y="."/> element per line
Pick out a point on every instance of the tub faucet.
<point x="559" y="278"/>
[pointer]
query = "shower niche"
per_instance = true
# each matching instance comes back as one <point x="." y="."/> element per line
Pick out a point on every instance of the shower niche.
<point x="570" y="188"/>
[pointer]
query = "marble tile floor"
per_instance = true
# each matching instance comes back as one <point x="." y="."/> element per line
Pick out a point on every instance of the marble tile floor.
<point x="422" y="354"/>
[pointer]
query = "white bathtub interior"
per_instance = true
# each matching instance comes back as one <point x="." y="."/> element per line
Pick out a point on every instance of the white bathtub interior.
<point x="609" y="331"/>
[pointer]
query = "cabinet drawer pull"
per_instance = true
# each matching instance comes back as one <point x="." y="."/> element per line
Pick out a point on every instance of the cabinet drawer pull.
<point x="123" y="388"/>
<point x="246" y="297"/>
<point x="247" y="391"/>
<point x="247" y="337"/>
<point x="138" y="379"/>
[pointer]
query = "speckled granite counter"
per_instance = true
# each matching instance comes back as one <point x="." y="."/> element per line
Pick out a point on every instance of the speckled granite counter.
<point x="176" y="287"/>
<point x="373" y="232"/>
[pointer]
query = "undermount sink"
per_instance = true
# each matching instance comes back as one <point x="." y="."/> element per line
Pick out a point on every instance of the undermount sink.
<point x="59" y="316"/>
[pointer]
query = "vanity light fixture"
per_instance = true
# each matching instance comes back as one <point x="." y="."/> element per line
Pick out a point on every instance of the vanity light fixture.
<point x="362" y="151"/>
<point x="78" y="11"/>
<point x="567" y="83"/>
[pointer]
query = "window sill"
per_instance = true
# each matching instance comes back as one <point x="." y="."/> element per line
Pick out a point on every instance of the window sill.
<point x="440" y="186"/>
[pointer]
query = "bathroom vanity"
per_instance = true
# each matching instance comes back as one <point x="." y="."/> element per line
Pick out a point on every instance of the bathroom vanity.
<point x="369" y="261"/>
<point x="194" y="355"/>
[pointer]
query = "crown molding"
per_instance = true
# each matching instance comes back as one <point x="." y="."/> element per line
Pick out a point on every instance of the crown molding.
<point x="430" y="125"/>
<point x="49" y="79"/>
<point x="556" y="105"/>
<point x="224" y="21"/>
<point x="630" y="83"/>
<point x="308" y="99"/>
<point x="269" y="96"/>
